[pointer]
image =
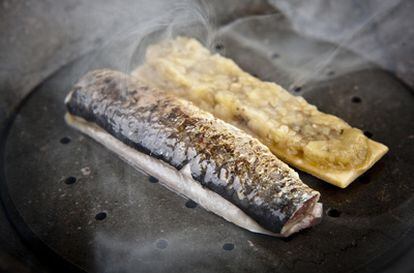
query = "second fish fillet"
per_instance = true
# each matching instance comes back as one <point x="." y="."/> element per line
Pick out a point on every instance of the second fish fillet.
<point x="320" y="144"/>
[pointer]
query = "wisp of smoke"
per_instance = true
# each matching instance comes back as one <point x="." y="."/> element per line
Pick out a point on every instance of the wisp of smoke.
<point x="302" y="43"/>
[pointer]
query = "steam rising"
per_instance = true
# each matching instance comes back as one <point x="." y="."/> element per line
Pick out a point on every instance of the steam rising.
<point x="313" y="38"/>
<point x="357" y="26"/>
<point x="301" y="42"/>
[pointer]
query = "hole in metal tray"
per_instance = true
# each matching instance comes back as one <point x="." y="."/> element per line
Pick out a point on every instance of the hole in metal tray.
<point x="70" y="180"/>
<point x="100" y="216"/>
<point x="65" y="140"/>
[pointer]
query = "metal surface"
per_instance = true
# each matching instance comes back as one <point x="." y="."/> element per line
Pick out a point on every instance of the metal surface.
<point x="75" y="199"/>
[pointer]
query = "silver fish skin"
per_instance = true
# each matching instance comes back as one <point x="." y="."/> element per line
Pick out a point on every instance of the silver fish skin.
<point x="220" y="157"/>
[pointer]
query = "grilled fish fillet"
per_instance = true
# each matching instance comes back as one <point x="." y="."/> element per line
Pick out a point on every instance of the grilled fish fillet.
<point x="193" y="153"/>
<point x="320" y="144"/>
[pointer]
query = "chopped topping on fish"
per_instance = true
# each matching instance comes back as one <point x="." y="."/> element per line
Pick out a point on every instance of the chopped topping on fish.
<point x="321" y="144"/>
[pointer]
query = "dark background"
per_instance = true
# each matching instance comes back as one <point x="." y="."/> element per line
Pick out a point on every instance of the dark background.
<point x="39" y="37"/>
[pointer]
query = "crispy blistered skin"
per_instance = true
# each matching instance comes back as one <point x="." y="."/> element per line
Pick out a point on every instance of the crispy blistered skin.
<point x="221" y="164"/>
<point x="320" y="144"/>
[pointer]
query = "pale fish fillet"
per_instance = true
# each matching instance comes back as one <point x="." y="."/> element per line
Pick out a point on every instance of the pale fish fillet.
<point x="294" y="130"/>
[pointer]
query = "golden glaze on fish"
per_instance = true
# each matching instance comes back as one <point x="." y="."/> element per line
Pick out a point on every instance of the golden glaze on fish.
<point x="295" y="131"/>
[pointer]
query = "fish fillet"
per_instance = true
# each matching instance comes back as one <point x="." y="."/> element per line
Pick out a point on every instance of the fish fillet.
<point x="225" y="170"/>
<point x="294" y="130"/>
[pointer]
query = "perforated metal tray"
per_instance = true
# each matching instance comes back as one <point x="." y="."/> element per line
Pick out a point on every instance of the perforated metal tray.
<point x="78" y="203"/>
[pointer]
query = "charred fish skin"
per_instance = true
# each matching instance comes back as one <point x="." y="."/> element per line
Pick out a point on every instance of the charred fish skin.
<point x="221" y="157"/>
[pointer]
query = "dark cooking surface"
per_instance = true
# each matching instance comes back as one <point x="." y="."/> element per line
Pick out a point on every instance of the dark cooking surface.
<point x="97" y="212"/>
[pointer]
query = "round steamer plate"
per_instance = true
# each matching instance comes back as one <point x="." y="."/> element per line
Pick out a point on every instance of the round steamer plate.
<point x="75" y="201"/>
